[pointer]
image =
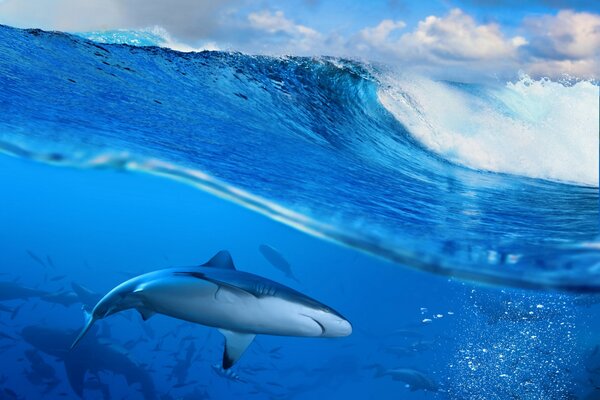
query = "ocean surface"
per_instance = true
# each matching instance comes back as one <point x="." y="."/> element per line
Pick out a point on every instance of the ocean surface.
<point x="455" y="225"/>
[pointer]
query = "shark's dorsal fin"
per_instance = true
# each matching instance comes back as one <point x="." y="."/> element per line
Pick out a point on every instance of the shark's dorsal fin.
<point x="220" y="260"/>
<point x="235" y="345"/>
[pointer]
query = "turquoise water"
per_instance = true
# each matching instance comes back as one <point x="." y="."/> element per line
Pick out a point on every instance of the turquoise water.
<point x="122" y="160"/>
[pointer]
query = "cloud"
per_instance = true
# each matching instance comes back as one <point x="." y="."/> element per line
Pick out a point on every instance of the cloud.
<point x="549" y="45"/>
<point x="566" y="36"/>
<point x="565" y="43"/>
<point x="276" y="25"/>
<point x="451" y="42"/>
<point x="457" y="36"/>
<point x="380" y="34"/>
<point x="187" y="20"/>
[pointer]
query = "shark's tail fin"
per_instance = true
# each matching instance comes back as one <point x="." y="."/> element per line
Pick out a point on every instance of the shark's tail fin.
<point x="89" y="322"/>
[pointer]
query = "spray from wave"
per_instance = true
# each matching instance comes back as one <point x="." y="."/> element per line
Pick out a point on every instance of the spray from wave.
<point x="534" y="128"/>
<point x="152" y="36"/>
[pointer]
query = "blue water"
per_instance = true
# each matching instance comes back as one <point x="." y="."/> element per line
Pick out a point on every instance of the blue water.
<point x="305" y="155"/>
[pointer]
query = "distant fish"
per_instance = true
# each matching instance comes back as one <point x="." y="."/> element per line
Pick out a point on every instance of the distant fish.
<point x="407" y="333"/>
<point x="57" y="278"/>
<point x="5" y="309"/>
<point x="180" y="385"/>
<point x="65" y="298"/>
<point x="87" y="297"/>
<point x="277" y="260"/>
<point x="14" y="313"/>
<point x="12" y="291"/>
<point x="400" y="351"/>
<point x="414" y="379"/>
<point x="50" y="262"/>
<point x="181" y="368"/>
<point x="586" y="300"/>
<point x="90" y="358"/>
<point x="227" y="373"/>
<point x="6" y="336"/>
<point x="9" y="394"/>
<point x="148" y="330"/>
<point x="36" y="258"/>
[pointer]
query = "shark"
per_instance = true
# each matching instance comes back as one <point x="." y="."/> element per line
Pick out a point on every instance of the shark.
<point x="90" y="358"/>
<point x="13" y="291"/>
<point x="215" y="294"/>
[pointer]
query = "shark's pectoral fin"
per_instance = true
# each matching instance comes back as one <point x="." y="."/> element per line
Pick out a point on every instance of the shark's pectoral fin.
<point x="235" y="345"/>
<point x="230" y="294"/>
<point x="146" y="313"/>
<point x="75" y="374"/>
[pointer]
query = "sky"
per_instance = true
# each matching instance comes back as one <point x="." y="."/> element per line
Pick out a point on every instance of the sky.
<point x="487" y="37"/>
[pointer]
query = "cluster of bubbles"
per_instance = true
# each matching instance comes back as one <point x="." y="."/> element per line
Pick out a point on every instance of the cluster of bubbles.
<point x="515" y="345"/>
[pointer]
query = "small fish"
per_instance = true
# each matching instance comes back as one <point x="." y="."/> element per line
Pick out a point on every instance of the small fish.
<point x="6" y="336"/>
<point x="50" y="262"/>
<point x="180" y="385"/>
<point x="5" y="309"/>
<point x="36" y="258"/>
<point x="275" y="349"/>
<point x="277" y="260"/>
<point x="13" y="315"/>
<point x="227" y="373"/>
<point x="11" y="394"/>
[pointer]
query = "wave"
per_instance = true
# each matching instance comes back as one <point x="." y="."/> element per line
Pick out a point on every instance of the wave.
<point x="540" y="129"/>
<point x="337" y="148"/>
<point x="154" y="36"/>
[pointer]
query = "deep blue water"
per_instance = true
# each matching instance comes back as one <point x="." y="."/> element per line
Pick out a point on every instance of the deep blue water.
<point x="305" y="155"/>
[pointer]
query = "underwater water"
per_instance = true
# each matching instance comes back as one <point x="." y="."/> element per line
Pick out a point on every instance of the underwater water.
<point x="120" y="160"/>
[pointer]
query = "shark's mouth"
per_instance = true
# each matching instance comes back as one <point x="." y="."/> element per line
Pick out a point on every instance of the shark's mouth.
<point x="323" y="330"/>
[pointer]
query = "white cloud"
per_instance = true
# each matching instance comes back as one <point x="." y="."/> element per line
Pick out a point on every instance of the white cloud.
<point x="188" y="20"/>
<point x="567" y="43"/>
<point x="568" y="35"/>
<point x="550" y="45"/>
<point x="300" y="38"/>
<point x="457" y="36"/>
<point x="454" y="37"/>
<point x="380" y="34"/>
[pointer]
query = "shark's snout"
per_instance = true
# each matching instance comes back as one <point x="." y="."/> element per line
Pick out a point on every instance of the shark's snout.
<point x="332" y="324"/>
<point x="338" y="327"/>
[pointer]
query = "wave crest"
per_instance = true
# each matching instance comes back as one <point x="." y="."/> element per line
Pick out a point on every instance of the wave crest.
<point x="534" y="128"/>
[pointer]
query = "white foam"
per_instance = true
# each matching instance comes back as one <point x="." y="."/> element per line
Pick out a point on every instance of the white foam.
<point x="151" y="36"/>
<point x="535" y="128"/>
